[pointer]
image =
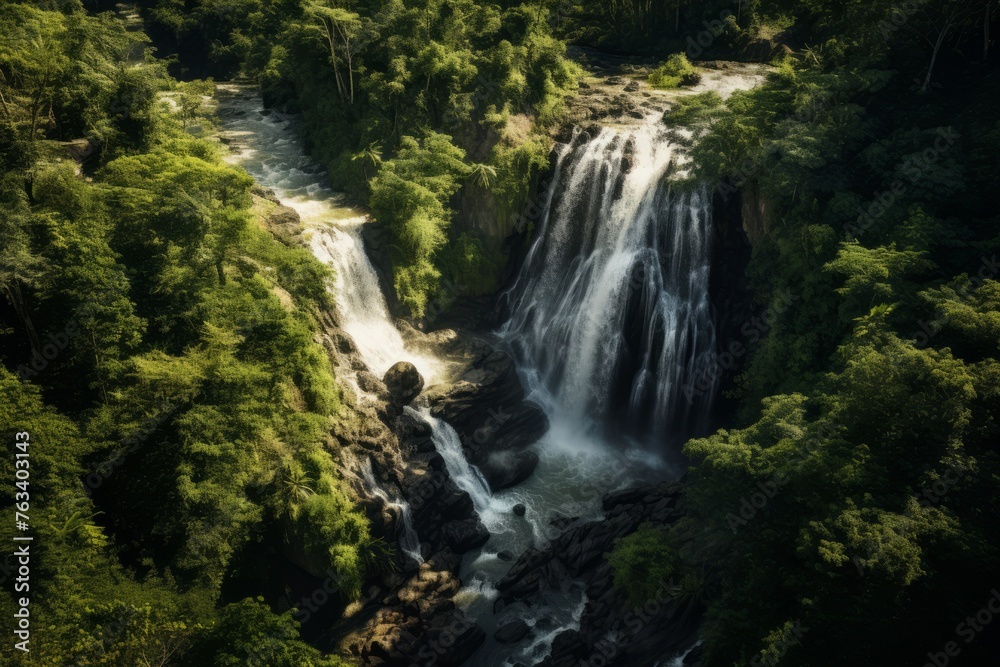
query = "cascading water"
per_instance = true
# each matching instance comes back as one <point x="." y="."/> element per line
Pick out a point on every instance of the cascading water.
<point x="611" y="317"/>
<point x="266" y="146"/>
<point x="608" y="319"/>
<point x="465" y="475"/>
<point x="409" y="543"/>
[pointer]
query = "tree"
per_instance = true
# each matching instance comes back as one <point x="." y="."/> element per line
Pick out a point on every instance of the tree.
<point x="371" y="156"/>
<point x="32" y="61"/>
<point x="340" y="26"/>
<point x="482" y="176"/>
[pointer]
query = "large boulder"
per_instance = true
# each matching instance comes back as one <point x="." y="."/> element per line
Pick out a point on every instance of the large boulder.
<point x="404" y="383"/>
<point x="465" y="535"/>
<point x="508" y="467"/>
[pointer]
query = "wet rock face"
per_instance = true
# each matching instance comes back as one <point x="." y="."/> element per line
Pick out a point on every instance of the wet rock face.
<point x="414" y="620"/>
<point x="403" y="383"/>
<point x="512" y="632"/>
<point x="643" y="635"/>
<point x="487" y="407"/>
<point x="443" y="514"/>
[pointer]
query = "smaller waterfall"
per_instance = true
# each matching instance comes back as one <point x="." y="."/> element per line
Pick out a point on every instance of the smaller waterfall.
<point x="409" y="542"/>
<point x="360" y="301"/>
<point x="266" y="146"/>
<point x="678" y="661"/>
<point x="493" y="512"/>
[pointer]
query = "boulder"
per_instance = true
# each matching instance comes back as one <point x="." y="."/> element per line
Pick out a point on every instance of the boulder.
<point x="507" y="468"/>
<point x="465" y="535"/>
<point x="560" y="522"/>
<point x="403" y="382"/>
<point x="627" y="496"/>
<point x="487" y="407"/>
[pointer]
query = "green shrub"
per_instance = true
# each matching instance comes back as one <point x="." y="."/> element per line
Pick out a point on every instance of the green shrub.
<point x="675" y="72"/>
<point x="694" y="108"/>
<point x="472" y="267"/>
<point x="643" y="563"/>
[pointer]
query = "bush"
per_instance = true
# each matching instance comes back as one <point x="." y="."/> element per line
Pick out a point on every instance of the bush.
<point x="643" y="563"/>
<point x="675" y="72"/>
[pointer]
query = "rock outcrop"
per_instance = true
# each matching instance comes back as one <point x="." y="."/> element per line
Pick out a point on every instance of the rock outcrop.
<point x="417" y="623"/>
<point x="487" y="408"/>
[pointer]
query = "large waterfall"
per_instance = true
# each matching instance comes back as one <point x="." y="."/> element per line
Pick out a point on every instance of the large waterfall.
<point x="611" y="318"/>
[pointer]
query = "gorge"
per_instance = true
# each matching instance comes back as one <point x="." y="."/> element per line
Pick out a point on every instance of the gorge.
<point x="608" y="321"/>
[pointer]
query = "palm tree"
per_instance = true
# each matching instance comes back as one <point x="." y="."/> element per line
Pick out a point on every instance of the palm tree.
<point x="295" y="485"/>
<point x="369" y="156"/>
<point x="77" y="520"/>
<point x="482" y="175"/>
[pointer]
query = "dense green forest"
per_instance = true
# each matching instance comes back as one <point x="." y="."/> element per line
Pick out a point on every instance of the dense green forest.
<point x="160" y="344"/>
<point x="859" y="498"/>
<point x="173" y="398"/>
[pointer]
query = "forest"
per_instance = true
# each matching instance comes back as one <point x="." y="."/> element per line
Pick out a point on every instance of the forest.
<point x="166" y="349"/>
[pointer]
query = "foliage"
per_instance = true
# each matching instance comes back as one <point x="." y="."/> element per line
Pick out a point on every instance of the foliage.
<point x="160" y="348"/>
<point x="674" y="72"/>
<point x="847" y="499"/>
<point x="643" y="564"/>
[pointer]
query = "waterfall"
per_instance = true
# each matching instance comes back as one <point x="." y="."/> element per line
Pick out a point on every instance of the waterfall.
<point x="266" y="146"/>
<point x="610" y="318"/>
<point x="359" y="299"/>
<point x="493" y="512"/>
<point x="409" y="543"/>
<point x="678" y="660"/>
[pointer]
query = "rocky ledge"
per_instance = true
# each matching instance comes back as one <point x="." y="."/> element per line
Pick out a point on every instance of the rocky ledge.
<point x="613" y="631"/>
<point x="418" y="623"/>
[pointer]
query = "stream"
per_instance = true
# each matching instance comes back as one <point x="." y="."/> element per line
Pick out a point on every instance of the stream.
<point x="608" y="320"/>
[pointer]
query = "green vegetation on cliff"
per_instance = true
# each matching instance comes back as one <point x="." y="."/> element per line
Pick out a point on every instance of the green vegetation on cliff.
<point x="406" y="103"/>
<point x="158" y="347"/>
